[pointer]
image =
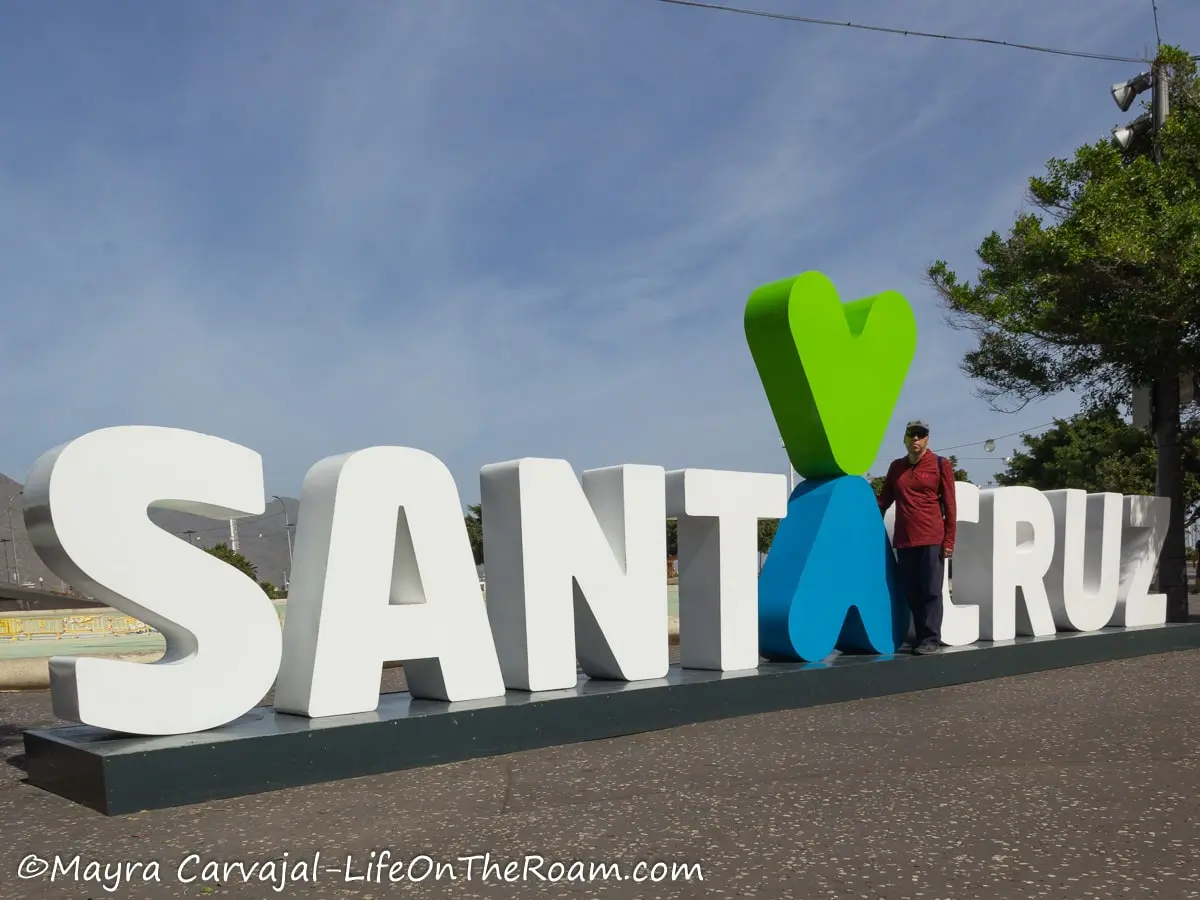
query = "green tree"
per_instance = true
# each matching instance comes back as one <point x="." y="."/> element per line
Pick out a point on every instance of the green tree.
<point x="224" y="553"/>
<point x="672" y="537"/>
<point x="235" y="559"/>
<point x="474" y="520"/>
<point x="959" y="475"/>
<point x="1094" y="290"/>
<point x="766" y="534"/>
<point x="1098" y="451"/>
<point x="273" y="592"/>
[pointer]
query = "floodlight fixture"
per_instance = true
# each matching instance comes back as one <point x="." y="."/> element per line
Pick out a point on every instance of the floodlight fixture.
<point x="1124" y="134"/>
<point x="1125" y="92"/>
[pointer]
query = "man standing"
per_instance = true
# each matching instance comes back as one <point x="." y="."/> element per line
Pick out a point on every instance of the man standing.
<point x="921" y="484"/>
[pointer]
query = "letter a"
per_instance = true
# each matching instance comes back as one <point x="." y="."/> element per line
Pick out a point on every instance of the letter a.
<point x="384" y="572"/>
<point x="829" y="581"/>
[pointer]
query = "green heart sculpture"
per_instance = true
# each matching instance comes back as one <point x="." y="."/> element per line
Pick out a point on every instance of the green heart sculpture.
<point x="832" y="371"/>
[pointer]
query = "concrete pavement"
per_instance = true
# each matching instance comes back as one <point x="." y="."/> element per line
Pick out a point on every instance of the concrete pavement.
<point x="1079" y="783"/>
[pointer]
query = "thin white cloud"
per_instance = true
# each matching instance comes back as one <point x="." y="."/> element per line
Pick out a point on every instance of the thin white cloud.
<point x="528" y="228"/>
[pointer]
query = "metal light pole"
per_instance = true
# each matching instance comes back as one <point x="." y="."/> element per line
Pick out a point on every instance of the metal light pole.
<point x="1165" y="395"/>
<point x="13" y="535"/>
<point x="1160" y="106"/>
<point x="287" y="530"/>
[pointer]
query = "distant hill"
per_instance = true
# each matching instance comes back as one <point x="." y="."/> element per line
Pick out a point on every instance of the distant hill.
<point x="261" y="539"/>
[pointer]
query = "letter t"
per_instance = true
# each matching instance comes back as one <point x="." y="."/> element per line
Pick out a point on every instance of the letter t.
<point x="717" y="514"/>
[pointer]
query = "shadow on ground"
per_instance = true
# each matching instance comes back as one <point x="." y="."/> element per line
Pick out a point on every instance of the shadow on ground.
<point x="10" y="739"/>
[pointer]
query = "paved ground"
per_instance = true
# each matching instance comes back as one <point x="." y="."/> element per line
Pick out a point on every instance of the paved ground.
<point x="1080" y="783"/>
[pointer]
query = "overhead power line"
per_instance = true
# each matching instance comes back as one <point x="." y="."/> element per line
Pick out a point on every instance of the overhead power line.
<point x="1022" y="432"/>
<point x="906" y="32"/>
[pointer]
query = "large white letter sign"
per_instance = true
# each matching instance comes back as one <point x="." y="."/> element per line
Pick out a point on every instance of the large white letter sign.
<point x="384" y="571"/>
<point x="85" y="507"/>
<point x="1009" y="551"/>
<point x="1145" y="533"/>
<point x="575" y="572"/>
<point x="960" y="615"/>
<point x="717" y="517"/>
<point x="1085" y="573"/>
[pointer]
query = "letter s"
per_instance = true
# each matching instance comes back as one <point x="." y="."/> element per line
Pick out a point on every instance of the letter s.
<point x="86" y="506"/>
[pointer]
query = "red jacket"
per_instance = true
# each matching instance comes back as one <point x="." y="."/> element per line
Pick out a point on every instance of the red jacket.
<point x="919" y="493"/>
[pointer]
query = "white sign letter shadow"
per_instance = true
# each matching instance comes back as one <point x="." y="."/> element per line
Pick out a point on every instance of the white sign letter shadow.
<point x="384" y="572"/>
<point x="86" y="508"/>
<point x="1084" y="576"/>
<point x="1010" y="551"/>
<point x="1144" y="535"/>
<point x="575" y="571"/>
<point x="960" y="620"/>
<point x="717" y="517"/>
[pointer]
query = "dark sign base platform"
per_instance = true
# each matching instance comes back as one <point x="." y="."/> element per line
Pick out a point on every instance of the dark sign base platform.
<point x="264" y="750"/>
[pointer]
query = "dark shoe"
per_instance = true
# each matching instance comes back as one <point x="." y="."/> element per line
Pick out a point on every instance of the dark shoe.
<point x="926" y="649"/>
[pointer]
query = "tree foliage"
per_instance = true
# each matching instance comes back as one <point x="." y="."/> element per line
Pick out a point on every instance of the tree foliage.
<point x="1097" y="289"/>
<point x="1098" y="451"/>
<point x="226" y="554"/>
<point x="766" y="534"/>
<point x="474" y="521"/>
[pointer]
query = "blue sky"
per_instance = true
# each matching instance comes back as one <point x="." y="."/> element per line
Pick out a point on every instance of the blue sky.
<point x="504" y="228"/>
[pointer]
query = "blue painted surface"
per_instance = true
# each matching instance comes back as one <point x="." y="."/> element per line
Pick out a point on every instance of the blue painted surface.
<point x="829" y="581"/>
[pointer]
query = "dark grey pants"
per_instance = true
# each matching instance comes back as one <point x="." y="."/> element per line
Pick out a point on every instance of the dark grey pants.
<point x="921" y="571"/>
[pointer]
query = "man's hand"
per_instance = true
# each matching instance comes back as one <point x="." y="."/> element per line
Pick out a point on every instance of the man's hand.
<point x="947" y="554"/>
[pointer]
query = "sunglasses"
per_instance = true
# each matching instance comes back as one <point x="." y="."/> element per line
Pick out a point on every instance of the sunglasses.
<point x="917" y="433"/>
